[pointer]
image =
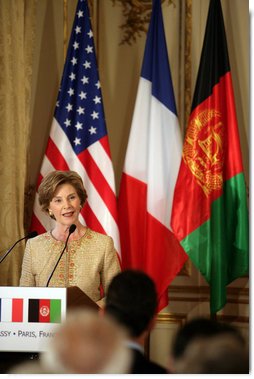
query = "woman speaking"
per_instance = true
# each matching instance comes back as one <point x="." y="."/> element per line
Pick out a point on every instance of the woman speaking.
<point x="89" y="260"/>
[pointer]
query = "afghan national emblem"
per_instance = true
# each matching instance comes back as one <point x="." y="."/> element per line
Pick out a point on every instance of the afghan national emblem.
<point x="44" y="311"/>
<point x="203" y="149"/>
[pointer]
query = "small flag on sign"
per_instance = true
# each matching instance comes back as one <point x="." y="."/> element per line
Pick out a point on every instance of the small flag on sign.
<point x="11" y="310"/>
<point x="44" y="310"/>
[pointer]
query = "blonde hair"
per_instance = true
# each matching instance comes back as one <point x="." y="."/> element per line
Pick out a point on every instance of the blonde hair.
<point x="54" y="179"/>
<point x="88" y="343"/>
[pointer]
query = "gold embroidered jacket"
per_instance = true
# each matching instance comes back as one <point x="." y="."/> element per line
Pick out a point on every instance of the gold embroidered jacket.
<point x="89" y="263"/>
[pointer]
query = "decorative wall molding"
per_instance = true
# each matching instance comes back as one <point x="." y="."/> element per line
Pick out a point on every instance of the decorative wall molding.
<point x="137" y="15"/>
<point x="233" y="318"/>
<point x="205" y="289"/>
<point x="176" y="318"/>
<point x="201" y="294"/>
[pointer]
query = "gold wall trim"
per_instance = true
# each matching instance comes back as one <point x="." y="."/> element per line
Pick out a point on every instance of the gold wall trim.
<point x="181" y="318"/>
<point x="228" y="318"/>
<point x="206" y="298"/>
<point x="206" y="290"/>
<point x="190" y="299"/>
<point x="178" y="318"/>
<point x="202" y="294"/>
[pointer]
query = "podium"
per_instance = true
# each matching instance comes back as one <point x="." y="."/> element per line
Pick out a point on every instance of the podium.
<point x="25" y="348"/>
<point x="76" y="298"/>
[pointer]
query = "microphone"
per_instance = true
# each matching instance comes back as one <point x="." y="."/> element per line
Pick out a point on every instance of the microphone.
<point x="30" y="235"/>
<point x="72" y="228"/>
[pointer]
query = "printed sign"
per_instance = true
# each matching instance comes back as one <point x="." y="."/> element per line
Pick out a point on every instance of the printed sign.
<point x="29" y="317"/>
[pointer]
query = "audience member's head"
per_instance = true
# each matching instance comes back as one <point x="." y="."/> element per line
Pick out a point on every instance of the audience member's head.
<point x="219" y="354"/>
<point x="85" y="344"/>
<point x="132" y="301"/>
<point x="197" y="331"/>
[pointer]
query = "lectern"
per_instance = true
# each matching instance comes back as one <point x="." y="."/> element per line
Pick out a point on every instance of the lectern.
<point x="77" y="298"/>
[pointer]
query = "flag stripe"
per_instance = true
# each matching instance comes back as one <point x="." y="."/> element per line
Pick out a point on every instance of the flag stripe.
<point x="64" y="147"/>
<point x="160" y="170"/>
<point x="39" y="180"/>
<point x="55" y="310"/>
<point x="33" y="310"/>
<point x="91" y="218"/>
<point x="224" y="219"/>
<point x="214" y="61"/>
<point x="36" y="223"/>
<point x="46" y="166"/>
<point x="53" y="154"/>
<point x="98" y="179"/>
<point x="44" y="310"/>
<point x="100" y="153"/>
<point x="160" y="79"/>
<point x="105" y="144"/>
<point x="17" y="310"/>
<point x="6" y="310"/>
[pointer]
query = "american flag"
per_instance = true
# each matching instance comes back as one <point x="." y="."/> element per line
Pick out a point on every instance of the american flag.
<point x="78" y="137"/>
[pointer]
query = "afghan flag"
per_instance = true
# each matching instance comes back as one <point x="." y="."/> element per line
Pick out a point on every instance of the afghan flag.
<point x="150" y="170"/>
<point x="210" y="214"/>
<point x="44" y="310"/>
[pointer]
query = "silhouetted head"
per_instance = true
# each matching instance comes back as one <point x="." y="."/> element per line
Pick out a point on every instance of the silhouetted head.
<point x="132" y="300"/>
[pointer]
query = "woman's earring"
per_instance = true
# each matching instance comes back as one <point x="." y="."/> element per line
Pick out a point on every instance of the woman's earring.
<point x="50" y="213"/>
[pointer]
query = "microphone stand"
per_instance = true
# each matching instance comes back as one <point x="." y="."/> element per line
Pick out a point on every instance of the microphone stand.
<point x="71" y="230"/>
<point x="30" y="235"/>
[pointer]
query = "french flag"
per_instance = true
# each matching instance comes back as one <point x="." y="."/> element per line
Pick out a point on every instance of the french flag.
<point x="150" y="170"/>
<point x="11" y="310"/>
